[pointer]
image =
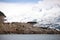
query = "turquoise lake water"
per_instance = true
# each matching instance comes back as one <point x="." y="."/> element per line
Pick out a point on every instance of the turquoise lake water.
<point x="30" y="37"/>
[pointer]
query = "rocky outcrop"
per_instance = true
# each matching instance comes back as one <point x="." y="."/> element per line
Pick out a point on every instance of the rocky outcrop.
<point x="24" y="28"/>
<point x="2" y="16"/>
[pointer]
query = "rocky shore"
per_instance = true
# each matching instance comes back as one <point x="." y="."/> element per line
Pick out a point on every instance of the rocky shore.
<point x="24" y="28"/>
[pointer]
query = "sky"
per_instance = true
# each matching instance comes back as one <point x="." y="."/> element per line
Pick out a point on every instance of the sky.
<point x="20" y="1"/>
<point x="28" y="10"/>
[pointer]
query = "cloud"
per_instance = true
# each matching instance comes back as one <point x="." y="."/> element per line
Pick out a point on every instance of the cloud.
<point x="43" y="10"/>
<point x="49" y="6"/>
<point x="18" y="12"/>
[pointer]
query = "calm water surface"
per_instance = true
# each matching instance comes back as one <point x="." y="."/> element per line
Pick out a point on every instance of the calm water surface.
<point x="30" y="37"/>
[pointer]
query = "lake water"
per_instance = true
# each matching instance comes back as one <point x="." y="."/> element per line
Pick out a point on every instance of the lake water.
<point x="30" y="37"/>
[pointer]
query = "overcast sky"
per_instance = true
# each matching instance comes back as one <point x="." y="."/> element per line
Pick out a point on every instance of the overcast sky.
<point x="27" y="10"/>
